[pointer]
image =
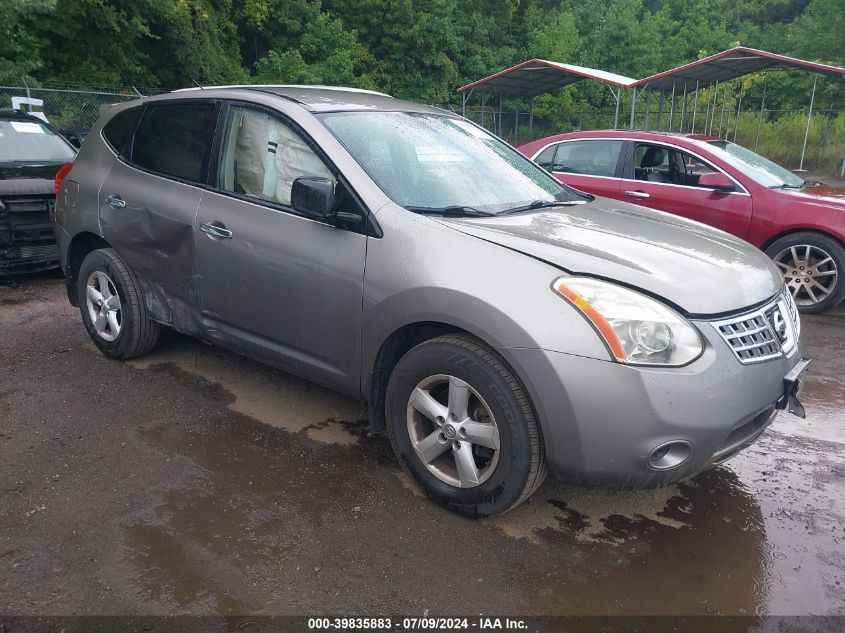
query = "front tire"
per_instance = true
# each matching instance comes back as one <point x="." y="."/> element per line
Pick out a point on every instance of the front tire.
<point x="462" y="426"/>
<point x="813" y="266"/>
<point x="113" y="307"/>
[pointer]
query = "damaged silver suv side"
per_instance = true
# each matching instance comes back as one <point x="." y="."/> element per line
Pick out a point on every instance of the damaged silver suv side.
<point x="498" y="323"/>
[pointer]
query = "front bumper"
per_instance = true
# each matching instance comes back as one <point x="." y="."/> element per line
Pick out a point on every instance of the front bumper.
<point x="601" y="420"/>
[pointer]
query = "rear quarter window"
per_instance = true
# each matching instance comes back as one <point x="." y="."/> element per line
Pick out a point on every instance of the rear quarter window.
<point x="172" y="139"/>
<point x="118" y="131"/>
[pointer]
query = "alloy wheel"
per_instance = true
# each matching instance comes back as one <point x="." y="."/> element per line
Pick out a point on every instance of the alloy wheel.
<point x="453" y="431"/>
<point x="809" y="271"/>
<point x="103" y="304"/>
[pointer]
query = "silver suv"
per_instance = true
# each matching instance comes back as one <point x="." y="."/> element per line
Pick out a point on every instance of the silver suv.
<point x="497" y="322"/>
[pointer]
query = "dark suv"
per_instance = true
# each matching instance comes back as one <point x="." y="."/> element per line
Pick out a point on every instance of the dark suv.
<point x="31" y="153"/>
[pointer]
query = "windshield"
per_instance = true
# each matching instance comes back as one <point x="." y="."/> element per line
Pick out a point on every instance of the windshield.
<point x="430" y="162"/>
<point x="761" y="169"/>
<point x="32" y="142"/>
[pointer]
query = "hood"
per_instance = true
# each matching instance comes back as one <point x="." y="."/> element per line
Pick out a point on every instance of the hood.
<point x="22" y="179"/>
<point x="701" y="270"/>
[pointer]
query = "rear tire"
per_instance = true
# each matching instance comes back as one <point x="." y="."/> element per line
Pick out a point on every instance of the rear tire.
<point x="813" y="266"/>
<point x="113" y="307"/>
<point x="462" y="426"/>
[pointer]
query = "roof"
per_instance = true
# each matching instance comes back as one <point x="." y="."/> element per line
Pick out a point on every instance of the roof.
<point x="538" y="76"/>
<point x="730" y="64"/>
<point x="644" y="135"/>
<point x="314" y="98"/>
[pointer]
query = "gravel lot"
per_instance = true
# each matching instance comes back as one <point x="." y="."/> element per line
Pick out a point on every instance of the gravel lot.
<point x="194" y="481"/>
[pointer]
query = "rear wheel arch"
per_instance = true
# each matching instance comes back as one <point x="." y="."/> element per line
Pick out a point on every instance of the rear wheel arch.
<point x="80" y="246"/>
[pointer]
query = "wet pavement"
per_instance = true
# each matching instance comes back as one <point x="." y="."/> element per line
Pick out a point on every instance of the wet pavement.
<point x="194" y="481"/>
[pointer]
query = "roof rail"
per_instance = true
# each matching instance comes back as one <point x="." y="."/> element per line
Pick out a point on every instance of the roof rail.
<point x="248" y="86"/>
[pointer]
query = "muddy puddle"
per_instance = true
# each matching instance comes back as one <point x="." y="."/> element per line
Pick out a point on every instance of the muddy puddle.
<point x="292" y="497"/>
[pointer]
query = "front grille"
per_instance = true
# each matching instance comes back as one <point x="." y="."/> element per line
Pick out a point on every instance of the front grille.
<point x="37" y="250"/>
<point x="763" y="334"/>
<point x="24" y="211"/>
<point x="27" y="219"/>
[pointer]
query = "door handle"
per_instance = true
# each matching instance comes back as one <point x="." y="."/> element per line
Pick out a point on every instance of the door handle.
<point x="115" y="201"/>
<point x="216" y="229"/>
<point x="637" y="194"/>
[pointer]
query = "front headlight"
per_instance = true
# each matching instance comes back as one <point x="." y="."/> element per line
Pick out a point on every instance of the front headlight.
<point x="637" y="329"/>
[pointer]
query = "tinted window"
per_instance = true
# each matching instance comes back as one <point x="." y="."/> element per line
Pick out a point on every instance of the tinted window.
<point x="262" y="157"/>
<point x="544" y="159"/>
<point x="594" y="158"/>
<point x="120" y="128"/>
<point x="172" y="139"/>
<point x="30" y="140"/>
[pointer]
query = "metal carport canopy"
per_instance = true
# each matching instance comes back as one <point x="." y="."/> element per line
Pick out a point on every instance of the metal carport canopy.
<point x="538" y="76"/>
<point x="730" y="64"/>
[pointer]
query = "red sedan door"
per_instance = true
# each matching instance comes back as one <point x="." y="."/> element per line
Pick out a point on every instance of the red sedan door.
<point x="666" y="178"/>
<point x="590" y="165"/>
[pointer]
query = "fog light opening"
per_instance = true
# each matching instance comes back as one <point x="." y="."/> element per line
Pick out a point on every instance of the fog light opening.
<point x="669" y="455"/>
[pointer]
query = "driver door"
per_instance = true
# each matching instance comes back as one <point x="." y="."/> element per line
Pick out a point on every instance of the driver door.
<point x="275" y="284"/>
<point x="671" y="185"/>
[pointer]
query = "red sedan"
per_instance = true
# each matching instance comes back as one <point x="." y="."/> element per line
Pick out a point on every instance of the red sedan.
<point x="798" y="223"/>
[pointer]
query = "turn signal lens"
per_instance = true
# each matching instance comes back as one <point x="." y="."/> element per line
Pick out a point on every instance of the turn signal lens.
<point x="636" y="329"/>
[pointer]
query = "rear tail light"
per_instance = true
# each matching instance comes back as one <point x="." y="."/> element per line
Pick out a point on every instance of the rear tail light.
<point x="64" y="170"/>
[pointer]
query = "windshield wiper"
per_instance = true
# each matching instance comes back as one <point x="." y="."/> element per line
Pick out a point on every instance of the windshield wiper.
<point x="454" y="211"/>
<point x="785" y="185"/>
<point x="543" y="204"/>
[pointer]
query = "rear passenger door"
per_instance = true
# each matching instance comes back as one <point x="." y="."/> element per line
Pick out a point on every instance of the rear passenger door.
<point x="591" y="165"/>
<point x="275" y="284"/>
<point x="149" y="201"/>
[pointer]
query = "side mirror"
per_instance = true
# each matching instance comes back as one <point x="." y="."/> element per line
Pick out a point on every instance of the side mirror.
<point x="313" y="196"/>
<point x="715" y="180"/>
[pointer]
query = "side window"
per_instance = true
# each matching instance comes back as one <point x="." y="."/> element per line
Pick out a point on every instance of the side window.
<point x="546" y="157"/>
<point x="657" y="163"/>
<point x="694" y="168"/>
<point x="172" y="139"/>
<point x="592" y="158"/>
<point x="262" y="156"/>
<point x="118" y="131"/>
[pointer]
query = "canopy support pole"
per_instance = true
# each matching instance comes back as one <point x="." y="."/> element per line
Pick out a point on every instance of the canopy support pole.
<point x="683" y="110"/>
<point x="616" y="94"/>
<point x="660" y="110"/>
<point x="531" y="121"/>
<point x="722" y="111"/>
<point x="672" y="110"/>
<point x="647" y="109"/>
<point x="807" y="129"/>
<point x="499" y="125"/>
<point x="760" y="118"/>
<point x="694" y="107"/>
<point x="738" y="111"/>
<point x="516" y="127"/>
<point x="634" y="98"/>
<point x="708" y="118"/>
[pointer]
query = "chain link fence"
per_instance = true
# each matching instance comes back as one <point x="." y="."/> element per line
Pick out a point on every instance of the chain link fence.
<point x="66" y="109"/>
<point x="776" y="134"/>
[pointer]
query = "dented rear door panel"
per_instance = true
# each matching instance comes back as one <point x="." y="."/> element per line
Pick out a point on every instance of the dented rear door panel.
<point x="154" y="234"/>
